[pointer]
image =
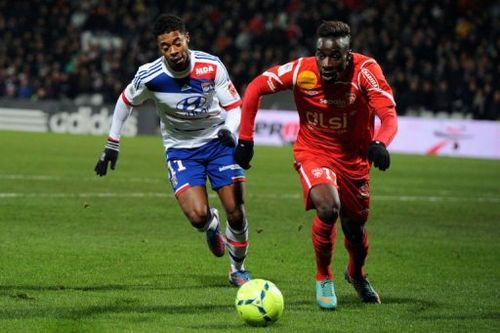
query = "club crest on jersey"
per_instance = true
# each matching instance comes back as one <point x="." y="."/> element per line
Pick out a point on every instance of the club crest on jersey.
<point x="205" y="70"/>
<point x="318" y="172"/>
<point x="207" y="87"/>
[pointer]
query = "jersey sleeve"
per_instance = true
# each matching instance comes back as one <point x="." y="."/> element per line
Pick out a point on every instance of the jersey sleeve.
<point x="136" y="91"/>
<point x="225" y="90"/>
<point x="380" y="99"/>
<point x="274" y="79"/>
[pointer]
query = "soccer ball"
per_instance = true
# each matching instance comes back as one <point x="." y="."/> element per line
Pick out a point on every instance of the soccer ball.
<point x="259" y="302"/>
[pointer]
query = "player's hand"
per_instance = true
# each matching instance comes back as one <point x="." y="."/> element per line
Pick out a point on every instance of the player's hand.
<point x="243" y="153"/>
<point x="226" y="137"/>
<point x="110" y="155"/>
<point x="379" y="156"/>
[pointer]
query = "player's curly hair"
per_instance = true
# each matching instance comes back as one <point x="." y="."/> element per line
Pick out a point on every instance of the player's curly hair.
<point x="333" y="29"/>
<point x="166" y="23"/>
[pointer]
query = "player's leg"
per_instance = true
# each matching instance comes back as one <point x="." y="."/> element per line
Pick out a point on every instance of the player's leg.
<point x="188" y="178"/>
<point x="325" y="199"/>
<point x="194" y="204"/>
<point x="227" y="179"/>
<point x="355" y="198"/>
<point x="231" y="197"/>
<point x="320" y="193"/>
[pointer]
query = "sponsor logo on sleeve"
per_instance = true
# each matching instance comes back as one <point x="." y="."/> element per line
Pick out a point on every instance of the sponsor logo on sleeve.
<point x="232" y="90"/>
<point x="369" y="77"/>
<point x="271" y="85"/>
<point x="285" y="69"/>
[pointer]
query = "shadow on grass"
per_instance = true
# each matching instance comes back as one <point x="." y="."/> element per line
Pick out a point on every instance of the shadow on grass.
<point x="491" y="315"/>
<point x="204" y="280"/>
<point x="90" y="311"/>
<point x="198" y="281"/>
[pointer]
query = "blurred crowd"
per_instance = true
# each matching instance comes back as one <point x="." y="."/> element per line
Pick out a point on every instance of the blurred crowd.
<point x="439" y="56"/>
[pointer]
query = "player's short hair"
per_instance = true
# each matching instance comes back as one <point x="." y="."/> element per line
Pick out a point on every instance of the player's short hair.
<point x="166" y="23"/>
<point x="333" y="29"/>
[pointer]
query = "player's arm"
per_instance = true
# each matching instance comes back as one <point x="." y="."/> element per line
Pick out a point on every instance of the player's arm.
<point x="381" y="99"/>
<point x="133" y="95"/>
<point x="275" y="79"/>
<point x="230" y="101"/>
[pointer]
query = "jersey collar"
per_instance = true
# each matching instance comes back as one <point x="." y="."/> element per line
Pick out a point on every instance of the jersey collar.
<point x="179" y="74"/>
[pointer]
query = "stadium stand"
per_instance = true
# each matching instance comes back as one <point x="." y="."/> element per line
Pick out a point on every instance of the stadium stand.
<point x="441" y="57"/>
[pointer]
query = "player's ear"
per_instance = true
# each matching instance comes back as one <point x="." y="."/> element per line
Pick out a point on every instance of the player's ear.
<point x="186" y="35"/>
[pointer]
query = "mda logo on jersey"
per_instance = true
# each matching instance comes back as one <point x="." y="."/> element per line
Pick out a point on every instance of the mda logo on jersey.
<point x="204" y="70"/>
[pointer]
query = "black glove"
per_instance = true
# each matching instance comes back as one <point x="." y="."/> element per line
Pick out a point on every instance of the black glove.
<point x="110" y="154"/>
<point x="226" y="137"/>
<point x="378" y="154"/>
<point x="243" y="153"/>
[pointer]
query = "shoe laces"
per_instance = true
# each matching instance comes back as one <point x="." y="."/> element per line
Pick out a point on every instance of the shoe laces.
<point x="327" y="288"/>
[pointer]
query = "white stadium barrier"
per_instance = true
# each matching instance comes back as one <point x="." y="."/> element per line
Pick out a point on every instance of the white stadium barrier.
<point x="416" y="135"/>
<point x="424" y="136"/>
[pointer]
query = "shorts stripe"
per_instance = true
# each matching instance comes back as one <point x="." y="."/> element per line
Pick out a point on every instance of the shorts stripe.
<point x="239" y="179"/>
<point x="182" y="189"/>
<point x="304" y="175"/>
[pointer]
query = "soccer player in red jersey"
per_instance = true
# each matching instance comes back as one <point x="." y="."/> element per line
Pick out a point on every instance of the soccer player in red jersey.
<point x="337" y="93"/>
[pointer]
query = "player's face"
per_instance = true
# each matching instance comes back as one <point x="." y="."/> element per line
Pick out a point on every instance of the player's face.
<point x="332" y="57"/>
<point x="174" y="47"/>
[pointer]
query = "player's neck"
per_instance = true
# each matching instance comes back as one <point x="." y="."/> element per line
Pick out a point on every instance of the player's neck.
<point x="181" y="68"/>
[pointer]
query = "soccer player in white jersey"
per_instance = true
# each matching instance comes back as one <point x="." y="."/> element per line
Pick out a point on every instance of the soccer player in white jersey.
<point x="199" y="111"/>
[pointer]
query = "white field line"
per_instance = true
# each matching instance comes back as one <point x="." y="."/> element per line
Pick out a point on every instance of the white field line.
<point x="444" y="196"/>
<point x="96" y="178"/>
<point x="403" y="198"/>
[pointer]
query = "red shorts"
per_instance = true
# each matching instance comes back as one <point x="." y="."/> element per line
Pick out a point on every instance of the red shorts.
<point x="354" y="193"/>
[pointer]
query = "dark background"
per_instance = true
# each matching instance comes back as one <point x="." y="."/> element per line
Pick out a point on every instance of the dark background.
<point x="439" y="56"/>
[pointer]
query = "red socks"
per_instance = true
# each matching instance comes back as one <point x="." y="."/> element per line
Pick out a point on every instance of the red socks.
<point x="357" y="256"/>
<point x="323" y="239"/>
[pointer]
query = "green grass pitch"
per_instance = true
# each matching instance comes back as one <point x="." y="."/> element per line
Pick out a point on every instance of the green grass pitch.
<point x="80" y="253"/>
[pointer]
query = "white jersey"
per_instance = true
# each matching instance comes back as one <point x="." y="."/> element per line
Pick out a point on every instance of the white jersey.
<point x="190" y="103"/>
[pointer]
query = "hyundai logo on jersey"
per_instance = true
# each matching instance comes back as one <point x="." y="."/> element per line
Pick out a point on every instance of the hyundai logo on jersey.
<point x="193" y="105"/>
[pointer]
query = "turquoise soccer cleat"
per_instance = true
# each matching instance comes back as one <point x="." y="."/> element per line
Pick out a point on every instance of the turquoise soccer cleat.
<point x="325" y="295"/>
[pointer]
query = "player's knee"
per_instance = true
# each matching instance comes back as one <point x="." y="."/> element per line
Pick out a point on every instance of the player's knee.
<point x="354" y="232"/>
<point x="197" y="217"/>
<point x="328" y="212"/>
<point x="236" y="218"/>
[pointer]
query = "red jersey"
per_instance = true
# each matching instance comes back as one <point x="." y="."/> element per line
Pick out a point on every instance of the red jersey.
<point x="336" y="119"/>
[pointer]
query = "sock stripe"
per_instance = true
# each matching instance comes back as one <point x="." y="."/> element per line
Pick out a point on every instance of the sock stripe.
<point x="236" y="259"/>
<point x="237" y="244"/>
